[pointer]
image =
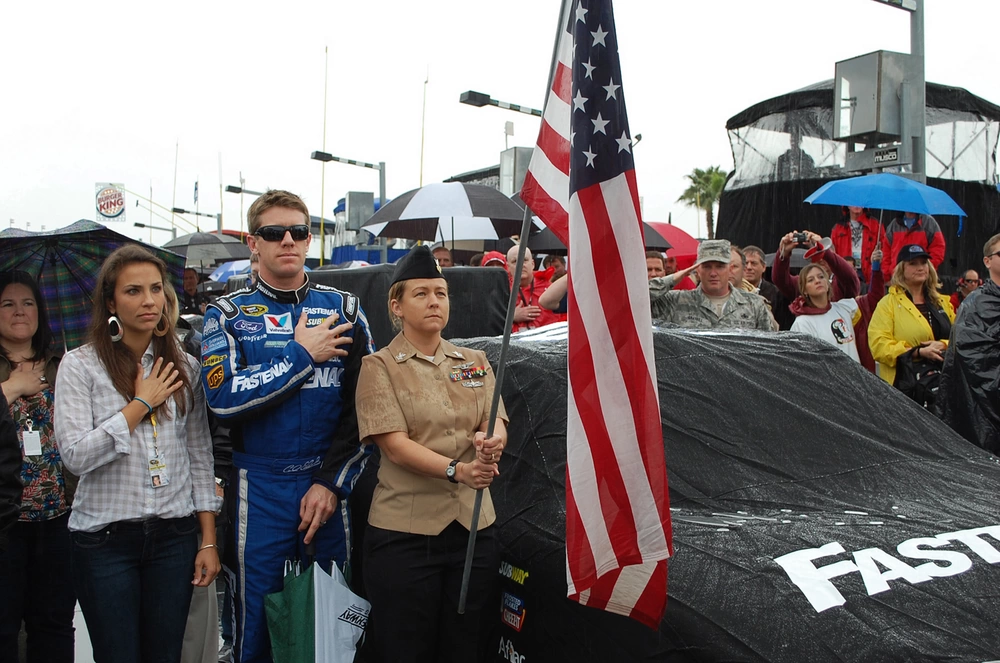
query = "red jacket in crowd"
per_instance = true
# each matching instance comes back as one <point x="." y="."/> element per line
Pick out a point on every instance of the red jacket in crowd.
<point x="872" y="233"/>
<point x="529" y="297"/>
<point x="925" y="232"/>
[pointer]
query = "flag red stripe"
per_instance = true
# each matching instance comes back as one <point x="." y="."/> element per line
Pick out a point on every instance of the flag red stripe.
<point x="642" y="392"/>
<point x="555" y="147"/>
<point x="562" y="82"/>
<point x="547" y="208"/>
<point x="612" y="493"/>
<point x="653" y="601"/>
<point x="578" y="548"/>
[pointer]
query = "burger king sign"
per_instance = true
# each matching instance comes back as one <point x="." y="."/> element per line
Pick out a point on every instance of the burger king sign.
<point x="111" y="201"/>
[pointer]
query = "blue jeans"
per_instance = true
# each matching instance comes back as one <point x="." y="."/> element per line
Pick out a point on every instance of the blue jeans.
<point x="36" y="585"/>
<point x="133" y="580"/>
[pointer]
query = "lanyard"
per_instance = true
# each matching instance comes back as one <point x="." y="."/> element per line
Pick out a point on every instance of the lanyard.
<point x="156" y="449"/>
<point x="531" y="294"/>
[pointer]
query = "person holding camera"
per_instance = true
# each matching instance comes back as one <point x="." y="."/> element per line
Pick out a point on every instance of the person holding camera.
<point x="834" y="322"/>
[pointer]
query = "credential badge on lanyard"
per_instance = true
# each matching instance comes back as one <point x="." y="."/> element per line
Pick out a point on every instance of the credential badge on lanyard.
<point x="31" y="439"/>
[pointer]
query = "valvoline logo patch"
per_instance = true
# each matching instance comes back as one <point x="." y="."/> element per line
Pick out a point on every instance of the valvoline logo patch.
<point x="278" y="324"/>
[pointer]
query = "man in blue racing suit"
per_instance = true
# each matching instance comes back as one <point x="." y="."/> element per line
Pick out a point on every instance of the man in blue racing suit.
<point x="280" y="362"/>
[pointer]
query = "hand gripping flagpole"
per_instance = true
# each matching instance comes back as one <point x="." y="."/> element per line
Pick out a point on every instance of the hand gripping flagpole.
<point x="515" y="286"/>
<point x="564" y="13"/>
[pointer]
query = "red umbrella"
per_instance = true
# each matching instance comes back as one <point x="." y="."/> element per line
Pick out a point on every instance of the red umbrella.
<point x="683" y="247"/>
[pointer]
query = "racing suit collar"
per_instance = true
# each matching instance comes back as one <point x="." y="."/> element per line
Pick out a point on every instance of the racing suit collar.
<point x="296" y="296"/>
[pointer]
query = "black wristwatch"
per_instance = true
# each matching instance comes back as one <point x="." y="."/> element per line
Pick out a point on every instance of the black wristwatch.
<point x="450" y="472"/>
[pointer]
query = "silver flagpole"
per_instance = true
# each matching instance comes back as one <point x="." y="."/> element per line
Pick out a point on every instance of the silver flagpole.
<point x="515" y="287"/>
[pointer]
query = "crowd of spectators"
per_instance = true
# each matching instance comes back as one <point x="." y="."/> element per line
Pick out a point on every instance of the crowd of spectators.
<point x="872" y="292"/>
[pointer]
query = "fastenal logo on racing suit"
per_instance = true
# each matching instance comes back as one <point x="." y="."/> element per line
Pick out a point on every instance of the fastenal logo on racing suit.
<point x="254" y="380"/>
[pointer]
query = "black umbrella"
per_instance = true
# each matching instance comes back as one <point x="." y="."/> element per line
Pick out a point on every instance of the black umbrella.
<point x="437" y="211"/>
<point x="208" y="248"/>
<point x="547" y="242"/>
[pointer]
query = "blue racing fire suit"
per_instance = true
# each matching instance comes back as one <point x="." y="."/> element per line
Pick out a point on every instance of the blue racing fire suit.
<point x="293" y="425"/>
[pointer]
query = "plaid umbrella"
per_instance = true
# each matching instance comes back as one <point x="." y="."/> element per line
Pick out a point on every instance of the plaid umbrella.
<point x="65" y="263"/>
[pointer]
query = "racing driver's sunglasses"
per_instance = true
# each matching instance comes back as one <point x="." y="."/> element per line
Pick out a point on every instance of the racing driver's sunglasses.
<point x="277" y="233"/>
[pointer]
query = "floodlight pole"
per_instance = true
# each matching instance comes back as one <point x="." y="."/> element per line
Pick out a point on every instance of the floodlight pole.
<point x="917" y="107"/>
<point x="919" y="93"/>
<point x="380" y="167"/>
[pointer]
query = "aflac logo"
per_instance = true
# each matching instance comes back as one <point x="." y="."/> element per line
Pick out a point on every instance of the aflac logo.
<point x="278" y="324"/>
<point x="508" y="652"/>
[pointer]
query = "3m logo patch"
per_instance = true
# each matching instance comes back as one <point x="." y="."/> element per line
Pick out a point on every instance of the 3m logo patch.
<point x="213" y="360"/>
<point x="255" y="310"/>
<point x="278" y="324"/>
<point x="215" y="377"/>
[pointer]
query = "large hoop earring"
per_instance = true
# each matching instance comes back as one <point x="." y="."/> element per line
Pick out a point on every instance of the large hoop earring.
<point x="166" y="326"/>
<point x="115" y="329"/>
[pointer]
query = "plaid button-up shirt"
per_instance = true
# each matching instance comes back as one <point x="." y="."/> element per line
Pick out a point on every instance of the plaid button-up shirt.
<point x="113" y="463"/>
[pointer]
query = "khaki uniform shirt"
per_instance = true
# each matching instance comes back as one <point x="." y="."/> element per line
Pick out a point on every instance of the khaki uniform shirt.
<point x="400" y="390"/>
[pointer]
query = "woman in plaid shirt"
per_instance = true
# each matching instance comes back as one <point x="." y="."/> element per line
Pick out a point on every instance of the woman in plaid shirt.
<point x="131" y="422"/>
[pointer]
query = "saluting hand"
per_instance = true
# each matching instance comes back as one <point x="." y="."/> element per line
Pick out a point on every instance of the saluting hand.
<point x="324" y="340"/>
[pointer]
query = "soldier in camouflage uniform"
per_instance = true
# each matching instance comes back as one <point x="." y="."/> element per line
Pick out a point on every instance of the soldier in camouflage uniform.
<point x="714" y="304"/>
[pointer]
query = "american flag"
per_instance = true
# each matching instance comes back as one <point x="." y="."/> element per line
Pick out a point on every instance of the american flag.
<point x="581" y="182"/>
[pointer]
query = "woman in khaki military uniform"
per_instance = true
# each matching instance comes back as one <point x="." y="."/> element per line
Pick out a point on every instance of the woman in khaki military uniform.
<point x="425" y="403"/>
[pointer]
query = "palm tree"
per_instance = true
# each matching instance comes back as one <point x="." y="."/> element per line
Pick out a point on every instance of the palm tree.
<point x="703" y="193"/>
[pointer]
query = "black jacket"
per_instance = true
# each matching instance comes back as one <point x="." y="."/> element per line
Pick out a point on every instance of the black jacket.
<point x="969" y="397"/>
<point x="10" y="472"/>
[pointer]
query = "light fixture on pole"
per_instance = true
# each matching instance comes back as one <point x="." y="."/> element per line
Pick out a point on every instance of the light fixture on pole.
<point x="172" y="231"/>
<point x="241" y="190"/>
<point x="380" y="167"/>
<point x="217" y="217"/>
<point x="480" y="99"/>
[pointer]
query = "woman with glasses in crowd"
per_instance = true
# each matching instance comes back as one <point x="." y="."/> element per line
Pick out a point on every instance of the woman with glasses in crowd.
<point x="35" y="580"/>
<point x="131" y="422"/>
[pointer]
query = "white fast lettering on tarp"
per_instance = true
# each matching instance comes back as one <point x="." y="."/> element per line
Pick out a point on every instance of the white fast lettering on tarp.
<point x="815" y="581"/>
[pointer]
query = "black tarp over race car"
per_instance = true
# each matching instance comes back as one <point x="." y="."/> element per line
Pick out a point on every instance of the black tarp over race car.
<point x="818" y="514"/>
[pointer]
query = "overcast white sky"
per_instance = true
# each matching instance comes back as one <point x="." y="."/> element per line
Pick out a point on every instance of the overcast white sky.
<point x="102" y="92"/>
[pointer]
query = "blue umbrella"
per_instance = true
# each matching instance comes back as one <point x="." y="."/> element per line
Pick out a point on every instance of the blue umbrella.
<point x="231" y="268"/>
<point x="886" y="191"/>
